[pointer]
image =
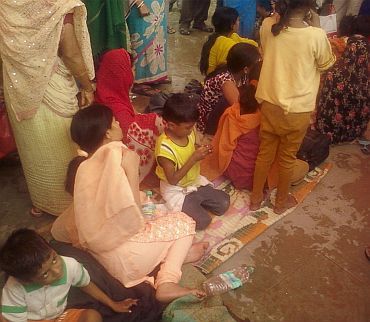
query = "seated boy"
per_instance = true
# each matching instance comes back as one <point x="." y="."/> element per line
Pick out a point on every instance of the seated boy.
<point x="39" y="281"/>
<point x="182" y="186"/>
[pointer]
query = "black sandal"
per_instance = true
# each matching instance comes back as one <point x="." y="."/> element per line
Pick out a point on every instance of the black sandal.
<point x="203" y="27"/>
<point x="184" y="31"/>
<point x="145" y="90"/>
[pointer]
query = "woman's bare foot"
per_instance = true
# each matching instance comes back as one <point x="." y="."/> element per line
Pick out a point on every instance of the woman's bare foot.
<point x="196" y="252"/>
<point x="168" y="292"/>
<point x="290" y="203"/>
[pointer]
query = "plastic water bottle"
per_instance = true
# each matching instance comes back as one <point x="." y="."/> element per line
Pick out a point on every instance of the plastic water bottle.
<point x="228" y="280"/>
<point x="148" y="206"/>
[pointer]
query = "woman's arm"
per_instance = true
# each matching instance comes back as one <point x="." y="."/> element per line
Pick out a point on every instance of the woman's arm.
<point x="230" y="92"/>
<point x="130" y="163"/>
<point x="69" y="52"/>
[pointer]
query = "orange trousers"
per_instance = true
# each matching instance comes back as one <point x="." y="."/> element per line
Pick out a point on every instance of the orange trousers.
<point x="281" y="135"/>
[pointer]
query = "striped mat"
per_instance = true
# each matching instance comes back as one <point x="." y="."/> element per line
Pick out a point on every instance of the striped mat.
<point x="227" y="234"/>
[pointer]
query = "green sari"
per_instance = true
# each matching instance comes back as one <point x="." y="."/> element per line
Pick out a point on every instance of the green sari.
<point x="106" y="23"/>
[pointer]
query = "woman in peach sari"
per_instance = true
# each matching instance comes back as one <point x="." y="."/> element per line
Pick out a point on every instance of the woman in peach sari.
<point x="105" y="217"/>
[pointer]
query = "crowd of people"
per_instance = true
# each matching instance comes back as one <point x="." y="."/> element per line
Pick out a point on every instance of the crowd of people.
<point x="68" y="75"/>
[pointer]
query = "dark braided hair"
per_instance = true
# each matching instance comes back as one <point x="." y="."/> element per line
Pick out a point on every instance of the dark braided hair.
<point x="223" y="20"/>
<point x="284" y="8"/>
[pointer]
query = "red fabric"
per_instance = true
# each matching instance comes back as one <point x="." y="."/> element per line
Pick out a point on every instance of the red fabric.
<point x="68" y="19"/>
<point x="114" y="81"/>
<point x="241" y="168"/>
<point x="7" y="143"/>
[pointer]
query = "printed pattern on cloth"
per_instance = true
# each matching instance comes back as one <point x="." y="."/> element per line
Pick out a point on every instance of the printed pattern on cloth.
<point x="343" y="108"/>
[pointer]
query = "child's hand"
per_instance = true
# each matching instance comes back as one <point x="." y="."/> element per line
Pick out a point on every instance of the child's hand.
<point x="123" y="306"/>
<point x="202" y="152"/>
<point x="198" y="293"/>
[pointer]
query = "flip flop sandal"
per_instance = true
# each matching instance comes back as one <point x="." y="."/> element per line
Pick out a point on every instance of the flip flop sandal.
<point x="204" y="28"/>
<point x="36" y="212"/>
<point x="171" y="30"/>
<point x="145" y="90"/>
<point x="184" y="31"/>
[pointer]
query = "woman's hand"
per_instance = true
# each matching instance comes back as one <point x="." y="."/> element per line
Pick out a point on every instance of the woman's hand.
<point x="87" y="98"/>
<point x="143" y="10"/>
<point x="123" y="306"/>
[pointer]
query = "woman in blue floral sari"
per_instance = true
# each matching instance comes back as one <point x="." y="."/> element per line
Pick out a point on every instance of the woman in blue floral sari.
<point x="147" y="23"/>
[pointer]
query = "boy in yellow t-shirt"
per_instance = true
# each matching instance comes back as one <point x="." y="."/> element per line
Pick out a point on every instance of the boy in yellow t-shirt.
<point x="182" y="186"/>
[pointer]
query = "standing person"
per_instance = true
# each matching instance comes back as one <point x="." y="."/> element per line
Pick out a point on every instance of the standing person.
<point x="39" y="281"/>
<point x="105" y="217"/>
<point x="247" y="11"/>
<point x="147" y="24"/>
<point x="346" y="7"/>
<point x="182" y="186"/>
<point x="343" y="110"/>
<point x="295" y="51"/>
<point x="107" y="25"/>
<point x="196" y="12"/>
<point x="43" y="52"/>
<point x="114" y="81"/>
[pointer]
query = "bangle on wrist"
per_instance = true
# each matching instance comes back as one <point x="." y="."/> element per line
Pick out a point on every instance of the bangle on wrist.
<point x="88" y="90"/>
<point x="140" y="4"/>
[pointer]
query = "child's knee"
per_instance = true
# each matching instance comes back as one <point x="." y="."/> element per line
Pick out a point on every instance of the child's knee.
<point x="224" y="204"/>
<point x="202" y="222"/>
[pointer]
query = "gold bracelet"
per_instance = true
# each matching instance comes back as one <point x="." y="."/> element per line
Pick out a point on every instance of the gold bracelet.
<point x="88" y="90"/>
<point x="140" y="4"/>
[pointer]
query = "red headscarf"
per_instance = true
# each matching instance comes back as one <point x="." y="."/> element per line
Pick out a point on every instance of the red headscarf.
<point x="114" y="81"/>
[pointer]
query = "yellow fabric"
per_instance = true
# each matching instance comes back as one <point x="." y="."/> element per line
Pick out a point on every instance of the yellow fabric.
<point x="230" y="127"/>
<point x="292" y="62"/>
<point x="166" y="148"/>
<point x="220" y="50"/>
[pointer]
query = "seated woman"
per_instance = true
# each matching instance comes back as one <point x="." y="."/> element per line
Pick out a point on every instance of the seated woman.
<point x="114" y="81"/>
<point x="216" y="48"/>
<point x="236" y="144"/>
<point x="106" y="220"/>
<point x="343" y="108"/>
<point x="221" y="90"/>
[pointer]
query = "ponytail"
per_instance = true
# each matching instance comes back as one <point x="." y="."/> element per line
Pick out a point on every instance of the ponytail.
<point x="204" y="57"/>
<point x="282" y="10"/>
<point x="247" y="100"/>
<point x="71" y="173"/>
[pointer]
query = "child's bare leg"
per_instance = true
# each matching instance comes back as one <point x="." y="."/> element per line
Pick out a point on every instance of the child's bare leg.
<point x="196" y="252"/>
<point x="168" y="292"/>
<point x="90" y="315"/>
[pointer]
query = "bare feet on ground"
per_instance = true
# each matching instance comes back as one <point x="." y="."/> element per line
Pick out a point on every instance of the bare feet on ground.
<point x="290" y="203"/>
<point x="196" y="252"/>
<point x="168" y="292"/>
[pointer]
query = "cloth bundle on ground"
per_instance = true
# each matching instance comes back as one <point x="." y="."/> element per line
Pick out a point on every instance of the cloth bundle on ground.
<point x="148" y="308"/>
<point x="314" y="148"/>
